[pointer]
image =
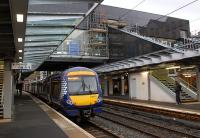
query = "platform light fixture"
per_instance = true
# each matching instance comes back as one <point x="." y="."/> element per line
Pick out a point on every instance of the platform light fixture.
<point x="189" y="67"/>
<point x="20" y="57"/>
<point x="20" y="39"/>
<point x="20" y="51"/>
<point x="145" y="73"/>
<point x="173" y="67"/>
<point x="20" y="62"/>
<point x="20" y="17"/>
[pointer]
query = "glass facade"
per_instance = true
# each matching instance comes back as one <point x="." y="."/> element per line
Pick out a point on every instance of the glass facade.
<point x="123" y="45"/>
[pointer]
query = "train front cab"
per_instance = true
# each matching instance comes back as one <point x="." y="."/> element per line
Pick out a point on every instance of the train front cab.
<point x="83" y="96"/>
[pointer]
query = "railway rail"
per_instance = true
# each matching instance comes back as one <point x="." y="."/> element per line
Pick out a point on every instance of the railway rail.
<point x="94" y="129"/>
<point x="175" y="114"/>
<point x="145" y="125"/>
<point x="98" y="131"/>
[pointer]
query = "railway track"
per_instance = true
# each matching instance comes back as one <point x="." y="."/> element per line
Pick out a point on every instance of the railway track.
<point x="143" y="126"/>
<point x="115" y="115"/>
<point x="94" y="129"/>
<point x="98" y="131"/>
<point x="174" y="114"/>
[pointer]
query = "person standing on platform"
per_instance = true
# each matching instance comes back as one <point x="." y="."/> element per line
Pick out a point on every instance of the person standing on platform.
<point x="177" y="91"/>
<point x="19" y="87"/>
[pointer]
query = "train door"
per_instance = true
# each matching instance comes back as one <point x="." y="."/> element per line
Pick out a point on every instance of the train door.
<point x="55" y="89"/>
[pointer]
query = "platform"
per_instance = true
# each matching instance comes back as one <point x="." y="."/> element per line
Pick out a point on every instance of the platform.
<point x="189" y="108"/>
<point x="32" y="118"/>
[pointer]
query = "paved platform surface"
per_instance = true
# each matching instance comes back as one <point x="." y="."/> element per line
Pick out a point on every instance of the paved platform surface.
<point x="191" y="106"/>
<point x="29" y="121"/>
<point x="34" y="119"/>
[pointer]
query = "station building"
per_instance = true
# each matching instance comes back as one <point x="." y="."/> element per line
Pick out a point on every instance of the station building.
<point x="129" y="49"/>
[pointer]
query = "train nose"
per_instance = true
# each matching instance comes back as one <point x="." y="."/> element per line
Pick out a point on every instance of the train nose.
<point x="83" y="100"/>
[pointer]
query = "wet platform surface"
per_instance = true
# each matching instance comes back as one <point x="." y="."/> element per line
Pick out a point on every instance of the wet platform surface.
<point x="29" y="121"/>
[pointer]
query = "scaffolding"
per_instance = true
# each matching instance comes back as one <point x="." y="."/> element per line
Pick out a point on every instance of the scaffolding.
<point x="98" y="34"/>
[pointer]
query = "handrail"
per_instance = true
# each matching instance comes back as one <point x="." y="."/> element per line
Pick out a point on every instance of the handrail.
<point x="162" y="85"/>
<point x="176" y="46"/>
<point x="187" y="84"/>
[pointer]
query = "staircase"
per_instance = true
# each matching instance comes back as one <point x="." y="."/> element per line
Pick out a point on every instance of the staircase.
<point x="162" y="76"/>
<point x="1" y="91"/>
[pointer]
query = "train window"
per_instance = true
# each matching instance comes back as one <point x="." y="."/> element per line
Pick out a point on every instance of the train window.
<point x="82" y="85"/>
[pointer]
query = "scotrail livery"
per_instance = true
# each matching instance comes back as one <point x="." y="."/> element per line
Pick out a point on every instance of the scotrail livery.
<point x="77" y="91"/>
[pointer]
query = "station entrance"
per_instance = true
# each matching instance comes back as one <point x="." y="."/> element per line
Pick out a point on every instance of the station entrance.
<point x="120" y="85"/>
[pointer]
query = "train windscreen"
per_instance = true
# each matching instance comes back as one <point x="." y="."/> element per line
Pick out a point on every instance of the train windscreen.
<point x="82" y="85"/>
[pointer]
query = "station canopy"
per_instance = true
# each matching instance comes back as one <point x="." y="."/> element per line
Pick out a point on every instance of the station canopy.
<point x="49" y="23"/>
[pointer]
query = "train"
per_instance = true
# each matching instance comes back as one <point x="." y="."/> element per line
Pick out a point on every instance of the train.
<point x="77" y="91"/>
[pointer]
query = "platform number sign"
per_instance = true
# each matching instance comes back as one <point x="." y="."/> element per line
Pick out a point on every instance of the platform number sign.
<point x="24" y="66"/>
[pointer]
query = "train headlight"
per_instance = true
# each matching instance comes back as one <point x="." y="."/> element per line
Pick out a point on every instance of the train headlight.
<point x="99" y="99"/>
<point x="69" y="102"/>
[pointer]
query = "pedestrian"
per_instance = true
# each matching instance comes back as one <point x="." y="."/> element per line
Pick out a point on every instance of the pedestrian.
<point x="178" y="91"/>
<point x="19" y="87"/>
<point x="116" y="90"/>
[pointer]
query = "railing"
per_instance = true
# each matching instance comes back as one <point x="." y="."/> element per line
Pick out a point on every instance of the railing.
<point x="154" y="40"/>
<point x="161" y="85"/>
<point x="188" y="85"/>
<point x="189" y="89"/>
<point x="192" y="45"/>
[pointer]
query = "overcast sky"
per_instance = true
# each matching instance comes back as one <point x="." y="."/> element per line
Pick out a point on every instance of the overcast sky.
<point x="163" y="7"/>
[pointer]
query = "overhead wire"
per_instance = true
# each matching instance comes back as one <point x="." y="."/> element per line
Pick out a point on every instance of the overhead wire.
<point x="131" y="9"/>
<point x="186" y="24"/>
<point x="177" y="9"/>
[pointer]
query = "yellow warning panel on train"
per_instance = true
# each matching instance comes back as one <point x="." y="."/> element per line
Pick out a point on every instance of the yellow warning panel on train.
<point x="83" y="100"/>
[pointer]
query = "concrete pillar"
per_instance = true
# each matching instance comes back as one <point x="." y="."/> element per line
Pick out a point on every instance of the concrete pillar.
<point x="7" y="90"/>
<point x="105" y="86"/>
<point x="110" y="86"/>
<point x="122" y="85"/>
<point x="132" y="85"/>
<point x="198" y="83"/>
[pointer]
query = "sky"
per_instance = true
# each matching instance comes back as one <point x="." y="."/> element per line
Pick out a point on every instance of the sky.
<point x="163" y="7"/>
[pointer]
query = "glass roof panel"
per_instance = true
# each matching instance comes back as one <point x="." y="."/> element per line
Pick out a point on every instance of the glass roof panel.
<point x="38" y="52"/>
<point x="42" y="43"/>
<point x="38" y="49"/>
<point x="48" y="30"/>
<point x="48" y="24"/>
<point x="45" y="38"/>
<point x="53" y="20"/>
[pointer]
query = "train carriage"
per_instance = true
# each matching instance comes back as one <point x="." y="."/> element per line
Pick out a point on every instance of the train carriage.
<point x="77" y="91"/>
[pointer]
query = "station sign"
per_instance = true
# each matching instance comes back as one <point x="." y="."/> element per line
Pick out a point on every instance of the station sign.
<point x="21" y="66"/>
